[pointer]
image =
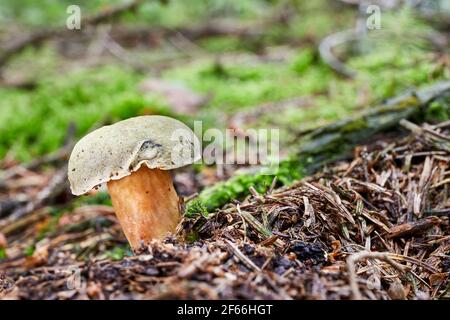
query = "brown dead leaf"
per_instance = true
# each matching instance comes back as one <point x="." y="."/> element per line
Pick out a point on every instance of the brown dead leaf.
<point x="336" y="245"/>
<point x="435" y="278"/>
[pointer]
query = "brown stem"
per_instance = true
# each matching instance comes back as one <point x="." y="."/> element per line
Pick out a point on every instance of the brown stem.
<point x="146" y="205"/>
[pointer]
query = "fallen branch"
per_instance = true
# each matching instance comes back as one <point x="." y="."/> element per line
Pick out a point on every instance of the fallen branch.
<point x="238" y="253"/>
<point x="326" y="51"/>
<point x="432" y="137"/>
<point x="352" y="259"/>
<point x="51" y="158"/>
<point x="412" y="228"/>
<point x="119" y="36"/>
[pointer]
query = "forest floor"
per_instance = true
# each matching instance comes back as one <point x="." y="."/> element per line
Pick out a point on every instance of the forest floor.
<point x="373" y="224"/>
<point x="375" y="227"/>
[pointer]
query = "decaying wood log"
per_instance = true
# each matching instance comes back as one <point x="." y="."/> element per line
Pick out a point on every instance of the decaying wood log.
<point x="332" y="141"/>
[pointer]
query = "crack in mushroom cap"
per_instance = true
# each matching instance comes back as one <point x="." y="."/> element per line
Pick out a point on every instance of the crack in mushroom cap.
<point x="115" y="151"/>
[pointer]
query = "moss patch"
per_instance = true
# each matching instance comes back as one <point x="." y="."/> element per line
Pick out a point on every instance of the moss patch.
<point x="35" y="123"/>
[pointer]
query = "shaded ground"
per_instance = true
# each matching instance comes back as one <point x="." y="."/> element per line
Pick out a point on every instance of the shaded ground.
<point x="291" y="243"/>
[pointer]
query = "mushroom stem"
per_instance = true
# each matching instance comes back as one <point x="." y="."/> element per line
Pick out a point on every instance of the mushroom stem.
<point x="146" y="205"/>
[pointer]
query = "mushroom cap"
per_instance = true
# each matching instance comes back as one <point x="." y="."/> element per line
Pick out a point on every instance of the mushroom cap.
<point x="115" y="151"/>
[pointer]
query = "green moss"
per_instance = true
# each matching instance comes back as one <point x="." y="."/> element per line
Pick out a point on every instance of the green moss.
<point x="118" y="253"/>
<point x="318" y="18"/>
<point x="191" y="235"/>
<point x="385" y="68"/>
<point x="28" y="251"/>
<point x="3" y="254"/>
<point x="98" y="198"/>
<point x="53" y="13"/>
<point x="34" y="123"/>
<point x="438" y="111"/>
<point x="243" y="85"/>
<point x="237" y="187"/>
<point x="196" y="207"/>
<point x="321" y="146"/>
<point x="354" y="125"/>
<point x="223" y="44"/>
<point x="303" y="60"/>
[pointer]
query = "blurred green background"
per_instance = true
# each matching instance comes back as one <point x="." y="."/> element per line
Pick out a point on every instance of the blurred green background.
<point x="261" y="52"/>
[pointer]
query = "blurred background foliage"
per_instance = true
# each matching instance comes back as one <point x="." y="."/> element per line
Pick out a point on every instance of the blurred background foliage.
<point x="269" y="54"/>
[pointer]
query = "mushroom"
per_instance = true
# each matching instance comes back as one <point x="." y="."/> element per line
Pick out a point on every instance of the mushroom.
<point x="134" y="157"/>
